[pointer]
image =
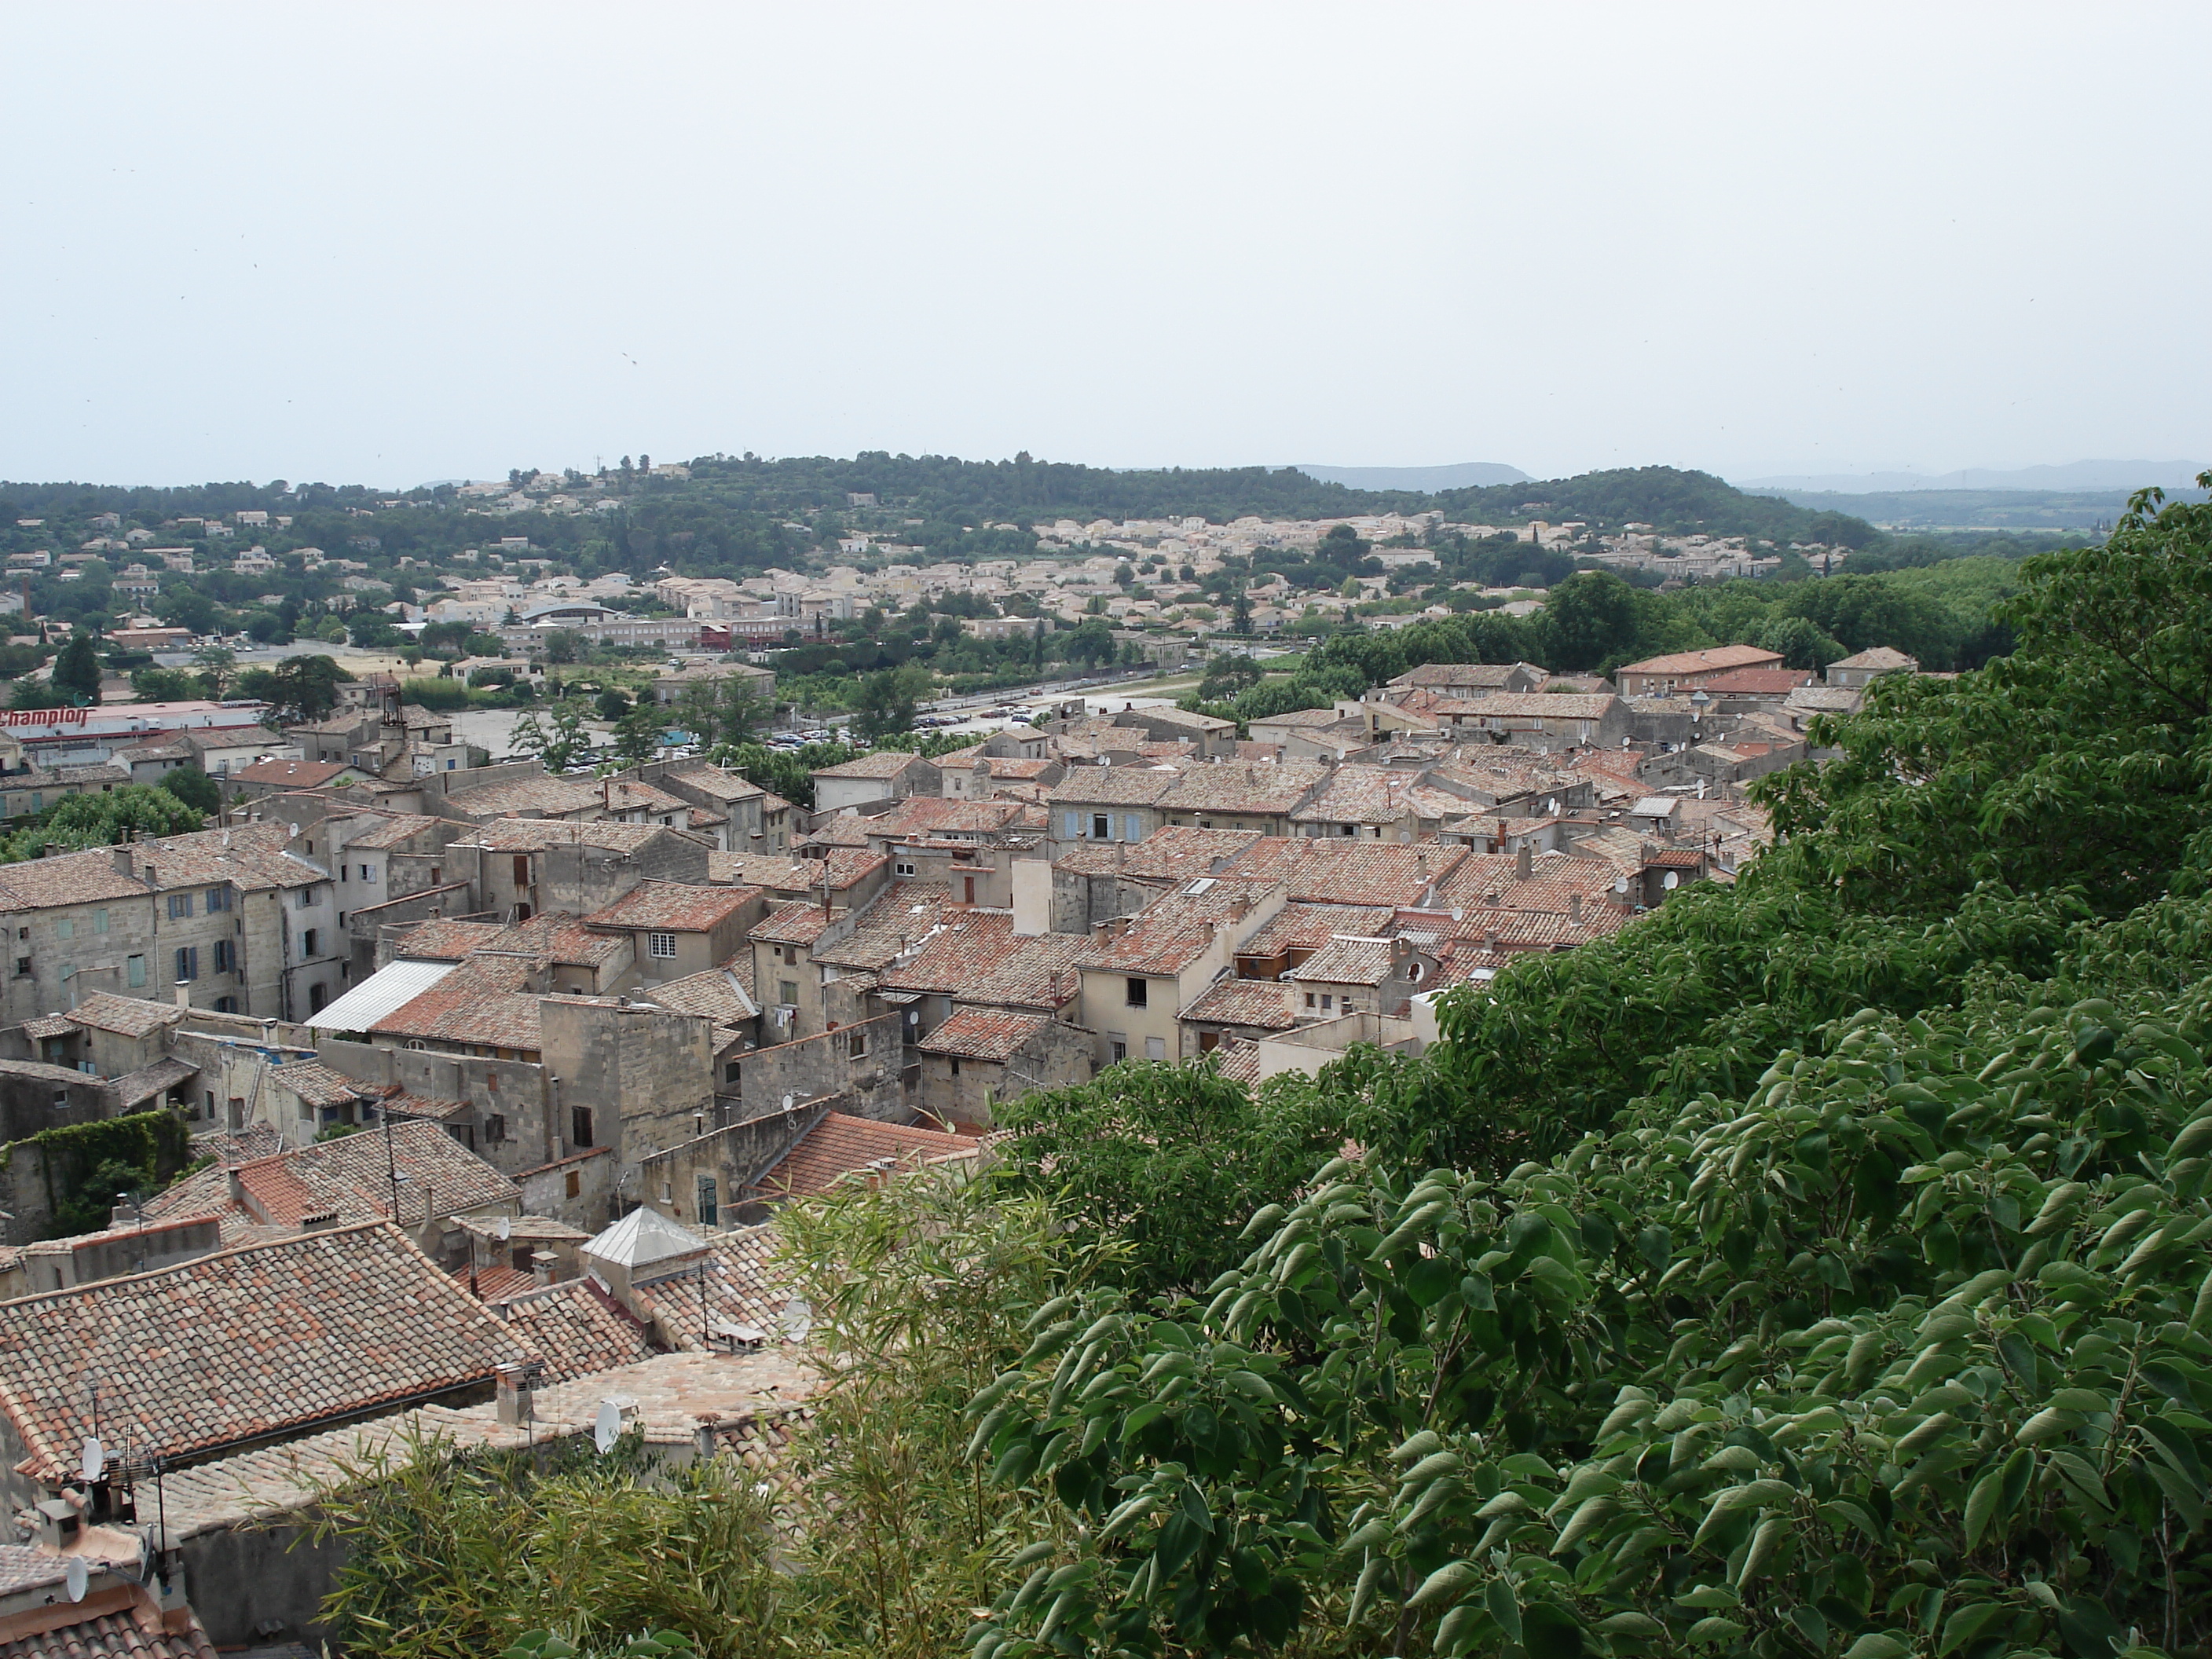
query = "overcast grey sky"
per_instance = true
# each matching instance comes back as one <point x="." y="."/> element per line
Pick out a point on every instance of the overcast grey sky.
<point x="388" y="244"/>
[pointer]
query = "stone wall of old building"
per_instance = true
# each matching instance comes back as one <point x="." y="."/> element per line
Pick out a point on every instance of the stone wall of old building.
<point x="732" y="1158"/>
<point x="871" y="1083"/>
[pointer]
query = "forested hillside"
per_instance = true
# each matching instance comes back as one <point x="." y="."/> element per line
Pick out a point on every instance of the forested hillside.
<point x="1821" y="1266"/>
<point x="735" y="514"/>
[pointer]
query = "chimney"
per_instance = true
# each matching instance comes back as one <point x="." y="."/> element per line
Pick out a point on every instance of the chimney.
<point x="1574" y="907"/>
<point x="512" y="1384"/>
<point x="541" y="1268"/>
<point x="321" y="1221"/>
<point x="1524" y="865"/>
<point x="234" y="1184"/>
<point x="122" y="857"/>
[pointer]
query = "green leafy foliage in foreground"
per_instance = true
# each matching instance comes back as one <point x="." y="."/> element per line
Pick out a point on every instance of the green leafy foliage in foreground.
<point x="1909" y="1350"/>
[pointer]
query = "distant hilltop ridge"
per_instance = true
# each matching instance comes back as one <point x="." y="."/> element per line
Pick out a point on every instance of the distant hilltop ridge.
<point x="2074" y="475"/>
<point x="1461" y="475"/>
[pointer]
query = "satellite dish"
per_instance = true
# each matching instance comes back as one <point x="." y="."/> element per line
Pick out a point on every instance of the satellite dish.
<point x="75" y="1577"/>
<point x="93" y="1461"/>
<point x="797" y="1319"/>
<point x="506" y="1228"/>
<point x="1620" y="884"/>
<point x="606" y="1429"/>
<point x="1672" y="882"/>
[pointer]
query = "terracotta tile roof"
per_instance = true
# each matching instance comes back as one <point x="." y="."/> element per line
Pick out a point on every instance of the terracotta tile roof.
<point x="442" y="938"/>
<point x="713" y="782"/>
<point x="349" y="1178"/>
<point x="1347" y="961"/>
<point x="624" y="795"/>
<point x="845" y="866"/>
<point x="503" y="835"/>
<point x="1880" y="657"/>
<point x="1259" y="1004"/>
<point x="1494" y="675"/>
<point x="1826" y="700"/>
<point x="50" y="1025"/>
<point x="917" y="816"/>
<point x="292" y="774"/>
<point x="744" y="1286"/>
<point x="237" y="1146"/>
<point x="1014" y="767"/>
<point x="1542" y="705"/>
<point x="1233" y="787"/>
<point x="66" y="879"/>
<point x="1361" y="794"/>
<point x="576" y="1329"/>
<point x="840" y="1145"/>
<point x="131" y="1016"/>
<point x="1491" y="773"/>
<point x="800" y="921"/>
<point x="1300" y="927"/>
<point x="983" y="1034"/>
<point x="495" y="1285"/>
<point x="1702" y="662"/>
<point x="239" y="1345"/>
<point x="479" y="1004"/>
<point x="396" y="831"/>
<point x="1166" y="936"/>
<point x="895" y="922"/>
<point x="1494" y="937"/>
<point x="555" y="937"/>
<point x="1171" y="853"/>
<point x="164" y="745"/>
<point x="546" y="797"/>
<point x="1625" y="764"/>
<point x="134" y="1628"/>
<point x="1238" y="1060"/>
<point x="251" y="857"/>
<point x="1112" y="786"/>
<point x="1348" y="870"/>
<point x="1489" y="881"/>
<point x="720" y="993"/>
<point x="1208" y="725"/>
<point x="316" y="1083"/>
<point x="976" y="957"/>
<point x="883" y="764"/>
<point x="674" y="907"/>
<point x="1760" y="681"/>
<point x="54" y="776"/>
<point x="1300" y="718"/>
<point x="134" y="1088"/>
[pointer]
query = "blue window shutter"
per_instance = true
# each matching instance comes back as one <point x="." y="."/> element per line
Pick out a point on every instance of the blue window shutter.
<point x="1133" y="828"/>
<point x="1072" y="824"/>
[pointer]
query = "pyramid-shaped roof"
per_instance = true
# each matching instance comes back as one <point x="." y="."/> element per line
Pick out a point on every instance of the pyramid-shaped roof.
<point x="643" y="1237"/>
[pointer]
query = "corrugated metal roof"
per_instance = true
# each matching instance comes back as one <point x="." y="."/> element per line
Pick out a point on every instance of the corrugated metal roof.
<point x="381" y="994"/>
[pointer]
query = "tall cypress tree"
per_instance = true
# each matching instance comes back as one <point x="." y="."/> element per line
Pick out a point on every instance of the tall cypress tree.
<point x="76" y="670"/>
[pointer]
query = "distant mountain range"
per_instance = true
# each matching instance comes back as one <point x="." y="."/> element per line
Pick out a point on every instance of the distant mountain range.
<point x="1461" y="475"/>
<point x="2073" y="476"/>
